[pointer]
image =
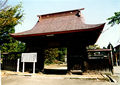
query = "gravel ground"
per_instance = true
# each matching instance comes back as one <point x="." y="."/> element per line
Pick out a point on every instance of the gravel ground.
<point x="11" y="78"/>
<point x="27" y="80"/>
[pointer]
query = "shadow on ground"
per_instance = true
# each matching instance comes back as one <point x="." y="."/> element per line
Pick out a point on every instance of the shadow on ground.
<point x="60" y="72"/>
<point x="55" y="71"/>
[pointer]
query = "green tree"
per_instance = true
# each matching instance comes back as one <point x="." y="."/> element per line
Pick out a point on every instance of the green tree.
<point x="9" y="18"/>
<point x="114" y="19"/>
<point x="62" y="52"/>
<point x="51" y="55"/>
<point x="55" y="55"/>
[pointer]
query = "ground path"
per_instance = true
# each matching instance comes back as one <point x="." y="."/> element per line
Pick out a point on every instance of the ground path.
<point x="14" y="78"/>
<point x="26" y="80"/>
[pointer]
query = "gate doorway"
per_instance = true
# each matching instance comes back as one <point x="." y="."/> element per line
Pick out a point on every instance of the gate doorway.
<point x="55" y="61"/>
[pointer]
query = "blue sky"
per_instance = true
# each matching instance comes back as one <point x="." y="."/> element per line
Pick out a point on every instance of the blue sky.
<point x="96" y="11"/>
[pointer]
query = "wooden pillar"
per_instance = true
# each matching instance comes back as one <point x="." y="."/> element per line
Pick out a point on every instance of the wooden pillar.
<point x="39" y="65"/>
<point x="40" y="60"/>
<point x="76" y="55"/>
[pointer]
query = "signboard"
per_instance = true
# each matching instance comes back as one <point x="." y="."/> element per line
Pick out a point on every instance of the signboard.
<point x="29" y="57"/>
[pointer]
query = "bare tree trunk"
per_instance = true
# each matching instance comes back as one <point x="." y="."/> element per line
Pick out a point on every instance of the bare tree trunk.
<point x="2" y="4"/>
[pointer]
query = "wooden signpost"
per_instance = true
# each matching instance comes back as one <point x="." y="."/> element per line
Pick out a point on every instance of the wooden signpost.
<point x="29" y="57"/>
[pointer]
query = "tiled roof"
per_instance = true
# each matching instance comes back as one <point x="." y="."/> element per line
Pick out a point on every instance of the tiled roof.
<point x="57" y="23"/>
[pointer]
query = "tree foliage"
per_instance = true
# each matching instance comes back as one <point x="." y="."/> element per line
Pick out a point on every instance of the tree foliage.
<point x="114" y="19"/>
<point x="50" y="55"/>
<point x="55" y="55"/>
<point x="62" y="52"/>
<point x="9" y="18"/>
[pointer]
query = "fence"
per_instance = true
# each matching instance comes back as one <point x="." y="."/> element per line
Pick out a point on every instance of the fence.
<point x="8" y="62"/>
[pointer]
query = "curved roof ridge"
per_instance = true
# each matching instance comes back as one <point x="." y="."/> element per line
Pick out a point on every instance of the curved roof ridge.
<point x="61" y="12"/>
<point x="65" y="23"/>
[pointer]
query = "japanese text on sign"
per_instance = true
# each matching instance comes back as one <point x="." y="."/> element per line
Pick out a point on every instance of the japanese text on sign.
<point x="29" y="57"/>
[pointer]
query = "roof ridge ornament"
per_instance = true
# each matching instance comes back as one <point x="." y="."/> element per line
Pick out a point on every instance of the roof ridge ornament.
<point x="78" y="13"/>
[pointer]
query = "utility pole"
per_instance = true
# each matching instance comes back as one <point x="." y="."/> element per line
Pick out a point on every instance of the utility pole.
<point x="111" y="55"/>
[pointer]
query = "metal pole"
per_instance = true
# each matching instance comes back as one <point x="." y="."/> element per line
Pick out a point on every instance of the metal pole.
<point x="33" y="67"/>
<point x="116" y="60"/>
<point x="23" y="67"/>
<point x="0" y="65"/>
<point x="0" y="61"/>
<point x="111" y="58"/>
<point x="111" y="55"/>
<point x="18" y="65"/>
